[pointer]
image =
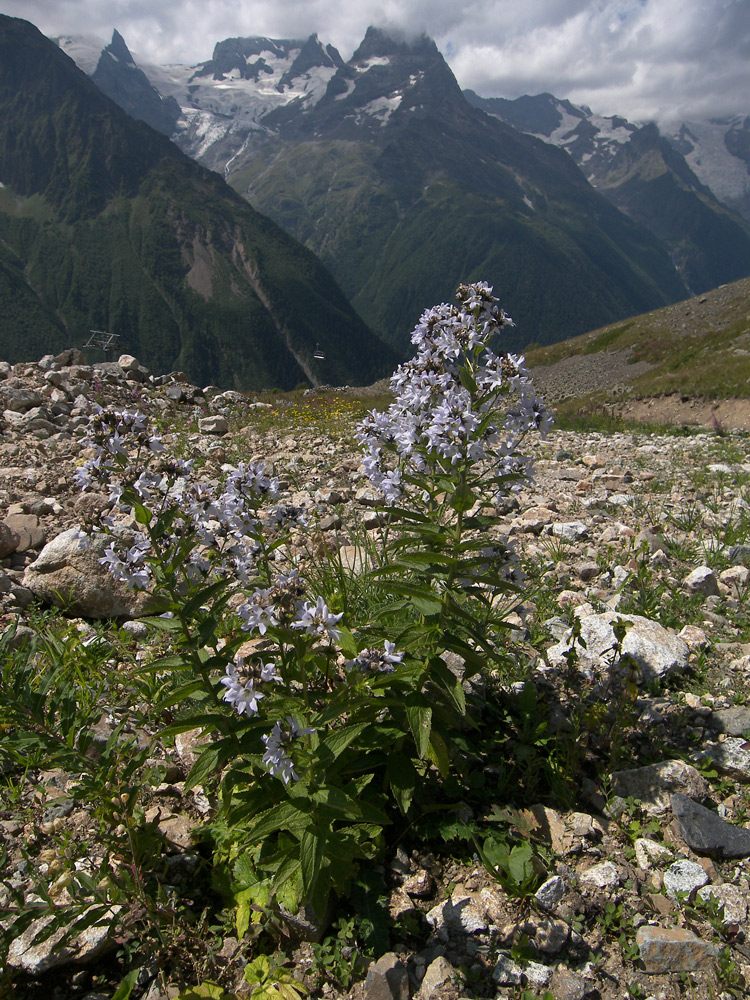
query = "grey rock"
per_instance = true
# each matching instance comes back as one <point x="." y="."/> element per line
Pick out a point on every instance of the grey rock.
<point x="655" y="651"/>
<point x="731" y="757"/>
<point x="38" y="958"/>
<point x="731" y="897"/>
<point x="458" y="915"/>
<point x="387" y="979"/>
<point x="605" y="875"/>
<point x="684" y="876"/>
<point x="507" y="972"/>
<point x="673" y="949"/>
<point x="649" y="853"/>
<point x="68" y="574"/>
<point x="703" y="831"/>
<point x="740" y="555"/>
<point x="9" y="540"/>
<point x="215" y="424"/>
<point x="551" y="936"/>
<point x="439" y="971"/>
<point x="568" y="985"/>
<point x="551" y="892"/>
<point x="734" y="721"/>
<point x="702" y="581"/>
<point x="21" y="400"/>
<point x="655" y="784"/>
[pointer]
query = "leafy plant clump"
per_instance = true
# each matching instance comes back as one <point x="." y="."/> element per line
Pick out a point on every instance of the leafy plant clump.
<point x="320" y="734"/>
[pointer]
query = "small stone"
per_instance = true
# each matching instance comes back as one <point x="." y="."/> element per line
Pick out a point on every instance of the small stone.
<point x="421" y="885"/>
<point x="655" y="784"/>
<point x="731" y="897"/>
<point x="9" y="540"/>
<point x="331" y="523"/>
<point x="567" y="985"/>
<point x="602" y="876"/>
<point x="551" y="936"/>
<point x="387" y="979"/>
<point x="731" y="757"/>
<point x="570" y="531"/>
<point x="684" y="877"/>
<point x="703" y="831"/>
<point x="439" y="971"/>
<point x="673" y="950"/>
<point x="537" y="974"/>
<point x="215" y="424"/>
<point x="740" y="555"/>
<point x="702" y="581"/>
<point x="735" y="577"/>
<point x="650" y="852"/>
<point x="694" y="637"/>
<point x="551" y="892"/>
<point x="507" y="972"/>
<point x="735" y="720"/>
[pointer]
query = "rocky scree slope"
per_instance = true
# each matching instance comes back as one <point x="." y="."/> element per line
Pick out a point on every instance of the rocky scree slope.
<point x="647" y="847"/>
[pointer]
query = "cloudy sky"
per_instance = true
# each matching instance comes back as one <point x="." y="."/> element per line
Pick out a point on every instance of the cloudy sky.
<point x="645" y="59"/>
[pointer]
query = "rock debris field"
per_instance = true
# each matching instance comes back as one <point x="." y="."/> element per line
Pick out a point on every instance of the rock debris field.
<point x="646" y="880"/>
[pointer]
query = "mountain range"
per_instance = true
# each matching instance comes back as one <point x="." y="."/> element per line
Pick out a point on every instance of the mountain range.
<point x="106" y="224"/>
<point x="404" y="186"/>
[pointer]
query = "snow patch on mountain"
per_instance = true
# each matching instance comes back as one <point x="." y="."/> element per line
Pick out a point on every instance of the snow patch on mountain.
<point x="704" y="147"/>
<point x="84" y="50"/>
<point x="362" y="67"/>
<point x="382" y="108"/>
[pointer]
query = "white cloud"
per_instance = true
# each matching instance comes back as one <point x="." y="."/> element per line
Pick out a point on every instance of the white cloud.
<point x="640" y="58"/>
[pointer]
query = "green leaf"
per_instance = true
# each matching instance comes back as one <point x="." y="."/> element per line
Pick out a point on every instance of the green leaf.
<point x="339" y="740"/>
<point x="403" y="778"/>
<point x="179" y="694"/>
<point x="203" y="596"/>
<point x="289" y="815"/>
<point x="208" y="761"/>
<point x="520" y="863"/>
<point x="347" y="643"/>
<point x="162" y="624"/>
<point x="142" y="514"/>
<point x="447" y="680"/>
<point x="439" y="755"/>
<point x="420" y="722"/>
<point x="311" y="861"/>
<point x="125" y="988"/>
<point x="467" y="380"/>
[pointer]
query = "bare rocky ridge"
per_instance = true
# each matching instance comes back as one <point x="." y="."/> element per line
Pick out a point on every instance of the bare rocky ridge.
<point x="647" y="528"/>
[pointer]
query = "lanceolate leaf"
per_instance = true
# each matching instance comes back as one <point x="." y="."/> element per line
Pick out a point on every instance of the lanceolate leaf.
<point x="314" y="883"/>
<point x="420" y="722"/>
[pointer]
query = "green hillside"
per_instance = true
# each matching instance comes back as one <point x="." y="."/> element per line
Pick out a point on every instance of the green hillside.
<point x="105" y="224"/>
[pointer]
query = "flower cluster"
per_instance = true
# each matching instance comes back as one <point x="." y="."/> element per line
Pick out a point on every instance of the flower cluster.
<point x="281" y="738"/>
<point x="240" y="688"/>
<point x="225" y="527"/>
<point x="447" y="406"/>
<point x="370" y="661"/>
